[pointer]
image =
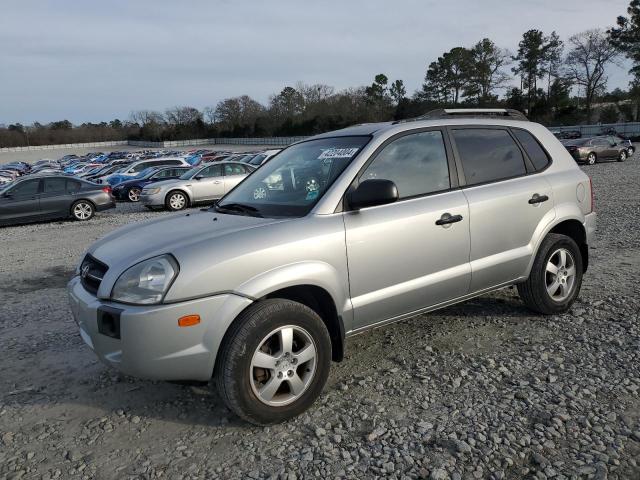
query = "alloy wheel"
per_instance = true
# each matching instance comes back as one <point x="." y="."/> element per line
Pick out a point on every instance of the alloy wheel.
<point x="591" y="159"/>
<point x="134" y="194"/>
<point x="82" y="211"/>
<point x="283" y="366"/>
<point x="560" y="275"/>
<point x="177" y="201"/>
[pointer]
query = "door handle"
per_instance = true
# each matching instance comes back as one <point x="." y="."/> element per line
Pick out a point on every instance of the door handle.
<point x="538" y="199"/>
<point x="217" y="181"/>
<point x="447" y="219"/>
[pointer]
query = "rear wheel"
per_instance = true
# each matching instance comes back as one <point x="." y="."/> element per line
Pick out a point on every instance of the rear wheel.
<point x="176" y="201"/>
<point x="591" y="159"/>
<point x="555" y="278"/>
<point x="623" y="156"/>
<point x="82" y="210"/>
<point x="133" y="194"/>
<point x="274" y="361"/>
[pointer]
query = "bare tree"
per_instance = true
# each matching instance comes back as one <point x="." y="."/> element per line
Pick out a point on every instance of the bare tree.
<point x="590" y="53"/>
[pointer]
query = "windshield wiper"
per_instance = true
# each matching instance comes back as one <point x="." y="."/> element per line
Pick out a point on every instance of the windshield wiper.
<point x="238" y="207"/>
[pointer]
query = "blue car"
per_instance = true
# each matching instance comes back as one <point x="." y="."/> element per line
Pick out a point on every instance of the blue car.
<point x="129" y="190"/>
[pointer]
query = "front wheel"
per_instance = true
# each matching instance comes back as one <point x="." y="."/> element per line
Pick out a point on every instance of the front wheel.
<point x="133" y="194"/>
<point x="176" y="201"/>
<point x="82" y="210"/>
<point x="591" y="159"/>
<point x="273" y="362"/>
<point x="555" y="278"/>
<point x="623" y="156"/>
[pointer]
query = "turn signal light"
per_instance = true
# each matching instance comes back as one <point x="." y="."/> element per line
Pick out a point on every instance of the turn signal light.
<point x="189" y="320"/>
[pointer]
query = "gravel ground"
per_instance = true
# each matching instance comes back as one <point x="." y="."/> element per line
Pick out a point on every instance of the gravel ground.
<point x="484" y="389"/>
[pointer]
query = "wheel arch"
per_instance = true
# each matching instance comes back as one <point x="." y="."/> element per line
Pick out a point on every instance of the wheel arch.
<point x="571" y="225"/>
<point x="317" y="285"/>
<point x="320" y="301"/>
<point x="575" y="230"/>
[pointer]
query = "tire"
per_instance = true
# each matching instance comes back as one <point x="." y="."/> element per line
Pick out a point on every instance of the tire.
<point x="623" y="156"/>
<point x="592" y="159"/>
<point x="538" y="291"/>
<point x="241" y="383"/>
<point x="133" y="195"/>
<point x="176" y="200"/>
<point x="630" y="151"/>
<point x="82" y="210"/>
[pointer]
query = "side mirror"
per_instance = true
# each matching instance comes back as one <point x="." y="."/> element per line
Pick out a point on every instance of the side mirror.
<point x="371" y="193"/>
<point x="199" y="177"/>
<point x="7" y="195"/>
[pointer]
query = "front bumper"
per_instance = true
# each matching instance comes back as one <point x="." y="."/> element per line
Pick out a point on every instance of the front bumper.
<point x="148" y="343"/>
<point x="155" y="200"/>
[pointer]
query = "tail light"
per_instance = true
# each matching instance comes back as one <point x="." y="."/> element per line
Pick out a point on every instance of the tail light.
<point x="593" y="196"/>
<point x="106" y="190"/>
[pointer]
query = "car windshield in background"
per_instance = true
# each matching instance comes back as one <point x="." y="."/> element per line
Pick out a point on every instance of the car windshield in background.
<point x="190" y="173"/>
<point x="291" y="183"/>
<point x="145" y="172"/>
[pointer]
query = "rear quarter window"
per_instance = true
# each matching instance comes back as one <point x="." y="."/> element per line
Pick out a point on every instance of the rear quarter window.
<point x="532" y="147"/>
<point x="488" y="155"/>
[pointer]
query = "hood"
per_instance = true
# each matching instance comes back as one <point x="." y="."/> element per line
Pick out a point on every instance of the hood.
<point x="172" y="234"/>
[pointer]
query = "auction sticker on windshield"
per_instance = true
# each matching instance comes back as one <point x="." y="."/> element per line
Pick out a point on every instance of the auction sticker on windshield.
<point x="337" y="153"/>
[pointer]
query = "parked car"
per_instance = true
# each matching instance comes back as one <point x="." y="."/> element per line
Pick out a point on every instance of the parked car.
<point x="130" y="190"/>
<point x="47" y="197"/>
<point x="198" y="185"/>
<point x="624" y="142"/>
<point x="596" y="149"/>
<point x="136" y="167"/>
<point x="259" y="294"/>
<point x="262" y="157"/>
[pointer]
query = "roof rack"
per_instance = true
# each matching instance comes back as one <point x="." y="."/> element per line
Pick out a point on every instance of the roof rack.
<point x="506" y="113"/>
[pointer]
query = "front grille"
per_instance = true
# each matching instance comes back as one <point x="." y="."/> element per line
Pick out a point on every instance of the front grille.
<point x="92" y="272"/>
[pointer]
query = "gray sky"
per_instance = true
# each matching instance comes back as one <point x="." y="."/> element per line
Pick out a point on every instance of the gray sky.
<point x="92" y="61"/>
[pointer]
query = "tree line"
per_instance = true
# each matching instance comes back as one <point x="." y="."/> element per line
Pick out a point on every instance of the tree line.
<point x="553" y="81"/>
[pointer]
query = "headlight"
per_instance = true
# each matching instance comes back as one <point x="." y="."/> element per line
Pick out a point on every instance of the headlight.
<point x="147" y="282"/>
<point x="151" y="191"/>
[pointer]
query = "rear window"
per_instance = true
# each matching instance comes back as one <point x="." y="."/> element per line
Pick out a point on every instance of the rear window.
<point x="534" y="150"/>
<point x="488" y="155"/>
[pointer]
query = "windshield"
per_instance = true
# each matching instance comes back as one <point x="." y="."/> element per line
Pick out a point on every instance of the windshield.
<point x="257" y="160"/>
<point x="145" y="172"/>
<point x="190" y="173"/>
<point x="291" y="183"/>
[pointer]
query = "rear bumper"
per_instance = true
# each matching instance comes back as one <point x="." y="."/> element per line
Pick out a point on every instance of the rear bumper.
<point x="146" y="341"/>
<point x="590" y="227"/>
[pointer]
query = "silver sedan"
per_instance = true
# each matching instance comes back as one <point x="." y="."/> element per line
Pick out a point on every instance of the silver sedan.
<point x="201" y="184"/>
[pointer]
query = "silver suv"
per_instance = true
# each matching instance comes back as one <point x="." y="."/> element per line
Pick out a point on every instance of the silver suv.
<point x="340" y="233"/>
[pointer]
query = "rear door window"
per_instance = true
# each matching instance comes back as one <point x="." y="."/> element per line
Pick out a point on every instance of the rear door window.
<point x="73" y="186"/>
<point x="488" y="155"/>
<point x="55" y="185"/>
<point x="234" y="169"/>
<point x="532" y="147"/>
